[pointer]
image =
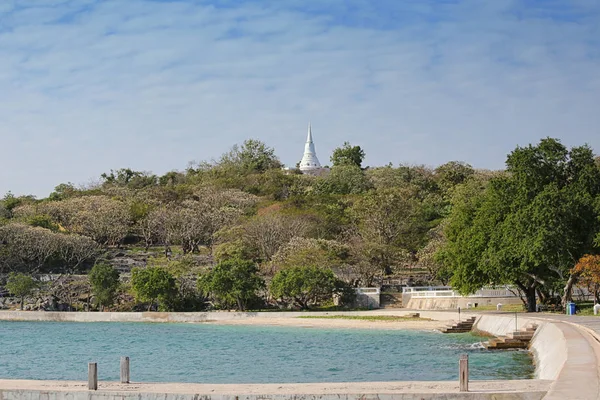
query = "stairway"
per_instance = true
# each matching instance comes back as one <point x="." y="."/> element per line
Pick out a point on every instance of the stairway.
<point x="514" y="340"/>
<point x="460" y="327"/>
<point x="391" y="300"/>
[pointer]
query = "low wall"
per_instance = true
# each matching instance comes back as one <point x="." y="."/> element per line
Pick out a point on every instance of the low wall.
<point x="195" y="317"/>
<point x="449" y="303"/>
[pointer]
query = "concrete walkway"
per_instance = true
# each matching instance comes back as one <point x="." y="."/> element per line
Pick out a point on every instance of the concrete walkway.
<point x="580" y="375"/>
<point x="530" y="389"/>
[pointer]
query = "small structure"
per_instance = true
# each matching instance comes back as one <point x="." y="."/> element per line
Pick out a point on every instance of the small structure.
<point x="368" y="297"/>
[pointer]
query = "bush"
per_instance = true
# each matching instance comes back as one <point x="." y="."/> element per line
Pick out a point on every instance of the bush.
<point x="233" y="282"/>
<point x="304" y="286"/>
<point x="154" y="284"/>
<point x="105" y="283"/>
<point x="20" y="285"/>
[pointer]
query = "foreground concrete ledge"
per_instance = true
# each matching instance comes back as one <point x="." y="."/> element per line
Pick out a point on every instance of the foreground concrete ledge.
<point x="511" y="389"/>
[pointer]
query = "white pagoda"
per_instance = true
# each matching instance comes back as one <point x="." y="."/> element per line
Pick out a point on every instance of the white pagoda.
<point x="310" y="163"/>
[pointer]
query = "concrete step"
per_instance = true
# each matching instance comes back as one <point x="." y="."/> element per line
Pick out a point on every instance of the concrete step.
<point x="454" y="330"/>
<point x="460" y="326"/>
<point x="492" y="345"/>
<point x="520" y="335"/>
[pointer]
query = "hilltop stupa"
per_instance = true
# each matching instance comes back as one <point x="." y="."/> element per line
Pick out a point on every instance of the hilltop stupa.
<point x="310" y="163"/>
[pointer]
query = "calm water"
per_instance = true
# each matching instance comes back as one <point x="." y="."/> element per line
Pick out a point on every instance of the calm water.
<point x="244" y="354"/>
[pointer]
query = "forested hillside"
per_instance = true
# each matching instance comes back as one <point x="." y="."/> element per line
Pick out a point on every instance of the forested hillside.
<point x="243" y="218"/>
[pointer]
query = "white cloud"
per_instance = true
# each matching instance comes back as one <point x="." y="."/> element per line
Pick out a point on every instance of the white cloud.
<point x="90" y="86"/>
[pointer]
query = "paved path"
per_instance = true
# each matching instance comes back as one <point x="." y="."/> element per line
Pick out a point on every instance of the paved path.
<point x="580" y="375"/>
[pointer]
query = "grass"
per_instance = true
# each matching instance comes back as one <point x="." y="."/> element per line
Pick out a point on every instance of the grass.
<point x="366" y="317"/>
<point x="505" y="307"/>
<point x="585" y="308"/>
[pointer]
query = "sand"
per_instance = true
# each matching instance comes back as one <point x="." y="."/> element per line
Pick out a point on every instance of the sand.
<point x="416" y="324"/>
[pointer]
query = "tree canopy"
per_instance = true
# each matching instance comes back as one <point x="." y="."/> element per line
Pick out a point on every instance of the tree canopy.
<point x="348" y="155"/>
<point x="234" y="282"/>
<point x="528" y="227"/>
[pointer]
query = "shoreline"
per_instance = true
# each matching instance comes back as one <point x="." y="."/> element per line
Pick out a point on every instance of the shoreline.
<point x="328" y="323"/>
<point x="561" y="348"/>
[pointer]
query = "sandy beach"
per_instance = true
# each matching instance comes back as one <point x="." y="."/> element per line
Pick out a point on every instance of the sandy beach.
<point x="416" y="324"/>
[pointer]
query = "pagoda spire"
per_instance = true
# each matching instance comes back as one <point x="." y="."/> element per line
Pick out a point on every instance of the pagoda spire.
<point x="309" y="162"/>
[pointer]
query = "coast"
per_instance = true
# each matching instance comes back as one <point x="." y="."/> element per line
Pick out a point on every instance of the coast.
<point x="566" y="357"/>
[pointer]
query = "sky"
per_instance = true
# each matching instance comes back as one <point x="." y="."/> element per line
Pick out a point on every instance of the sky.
<point x="87" y="86"/>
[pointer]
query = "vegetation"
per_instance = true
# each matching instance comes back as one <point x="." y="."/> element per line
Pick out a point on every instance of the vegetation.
<point x="104" y="280"/>
<point x="232" y="283"/>
<point x="153" y="284"/>
<point x="241" y="232"/>
<point x="374" y="318"/>
<point x="527" y="227"/>
<point x="588" y="271"/>
<point x="20" y="285"/>
<point x="303" y="286"/>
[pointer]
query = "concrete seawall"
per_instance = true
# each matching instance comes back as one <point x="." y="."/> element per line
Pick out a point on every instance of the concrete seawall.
<point x="564" y="352"/>
<point x="196" y="317"/>
<point x="548" y="345"/>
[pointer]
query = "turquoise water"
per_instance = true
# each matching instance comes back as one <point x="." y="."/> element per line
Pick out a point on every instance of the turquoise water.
<point x="244" y="354"/>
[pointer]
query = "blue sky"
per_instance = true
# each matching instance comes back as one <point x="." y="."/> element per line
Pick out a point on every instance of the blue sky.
<point x="92" y="85"/>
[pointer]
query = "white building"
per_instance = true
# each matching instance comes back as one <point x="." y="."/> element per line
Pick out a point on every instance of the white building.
<point x="310" y="163"/>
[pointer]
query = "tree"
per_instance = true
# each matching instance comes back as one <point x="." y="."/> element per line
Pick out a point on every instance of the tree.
<point x="392" y="225"/>
<point x="28" y="248"/>
<point x="309" y="252"/>
<point x="153" y="284"/>
<point x="428" y="258"/>
<point x="303" y="286"/>
<point x="104" y="279"/>
<point x="267" y="233"/>
<point x="348" y="155"/>
<point x="528" y="227"/>
<point x="126" y="177"/>
<point x="105" y="220"/>
<point x="451" y="174"/>
<point x="232" y="282"/>
<point x="20" y="285"/>
<point x="343" y="180"/>
<point x="588" y="271"/>
<point x="252" y="156"/>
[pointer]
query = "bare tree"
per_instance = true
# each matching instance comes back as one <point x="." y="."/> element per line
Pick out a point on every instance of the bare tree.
<point x="269" y="232"/>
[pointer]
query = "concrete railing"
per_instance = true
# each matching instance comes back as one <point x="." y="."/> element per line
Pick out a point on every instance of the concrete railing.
<point x="444" y="292"/>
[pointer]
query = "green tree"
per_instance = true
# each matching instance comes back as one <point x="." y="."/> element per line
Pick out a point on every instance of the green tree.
<point x="343" y="180"/>
<point x="20" y="285"/>
<point x="153" y="284"/>
<point x="232" y="282"/>
<point x="392" y="223"/>
<point x="304" y="286"/>
<point x="528" y="227"/>
<point x="452" y="173"/>
<point x="127" y="177"/>
<point x="348" y="155"/>
<point x="104" y="279"/>
<point x="252" y="156"/>
<point x="63" y="191"/>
